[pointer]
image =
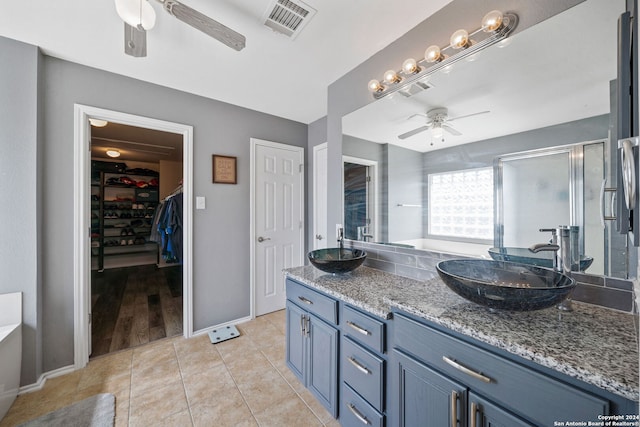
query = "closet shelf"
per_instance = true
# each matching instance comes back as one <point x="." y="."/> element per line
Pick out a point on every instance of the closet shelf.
<point x="121" y="199"/>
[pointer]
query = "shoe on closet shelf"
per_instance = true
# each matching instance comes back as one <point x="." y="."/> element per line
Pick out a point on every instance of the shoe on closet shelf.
<point x="130" y="242"/>
<point x="123" y="242"/>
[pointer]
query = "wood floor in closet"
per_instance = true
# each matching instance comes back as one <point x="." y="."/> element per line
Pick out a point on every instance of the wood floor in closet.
<point x="133" y="306"/>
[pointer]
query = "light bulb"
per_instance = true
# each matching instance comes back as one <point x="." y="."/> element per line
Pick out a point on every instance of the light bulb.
<point x="410" y="66"/>
<point x="390" y="76"/>
<point x="137" y="13"/>
<point x="437" y="132"/>
<point x="98" y="123"/>
<point x="492" y="21"/>
<point x="459" y="39"/>
<point x="113" y="153"/>
<point x="432" y="54"/>
<point x="375" y="86"/>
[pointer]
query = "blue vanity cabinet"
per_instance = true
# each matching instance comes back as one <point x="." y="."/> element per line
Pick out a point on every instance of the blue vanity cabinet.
<point x="362" y="368"/>
<point x="429" y="364"/>
<point x="312" y="342"/>
<point x="426" y="397"/>
<point x="483" y="413"/>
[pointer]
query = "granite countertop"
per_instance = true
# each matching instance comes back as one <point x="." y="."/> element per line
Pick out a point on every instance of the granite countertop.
<point x="596" y="345"/>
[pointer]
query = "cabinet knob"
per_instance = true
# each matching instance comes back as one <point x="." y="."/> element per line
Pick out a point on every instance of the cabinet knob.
<point x="319" y="237"/>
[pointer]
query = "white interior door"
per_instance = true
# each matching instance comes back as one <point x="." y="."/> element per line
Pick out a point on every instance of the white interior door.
<point x="320" y="196"/>
<point x="277" y="219"/>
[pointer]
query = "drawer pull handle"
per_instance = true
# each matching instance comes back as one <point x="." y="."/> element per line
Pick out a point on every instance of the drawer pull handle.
<point x="466" y="370"/>
<point x="304" y="300"/>
<point x="474" y="411"/>
<point x="358" y="415"/>
<point x="454" y="408"/>
<point x="359" y="366"/>
<point x="360" y="329"/>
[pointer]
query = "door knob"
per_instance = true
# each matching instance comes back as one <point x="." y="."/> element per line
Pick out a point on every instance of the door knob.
<point x="262" y="239"/>
<point x="319" y="236"/>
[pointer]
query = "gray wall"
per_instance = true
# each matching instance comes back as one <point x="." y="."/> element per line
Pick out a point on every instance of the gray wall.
<point x="405" y="187"/>
<point x="221" y="289"/>
<point x="20" y="193"/>
<point x="350" y="92"/>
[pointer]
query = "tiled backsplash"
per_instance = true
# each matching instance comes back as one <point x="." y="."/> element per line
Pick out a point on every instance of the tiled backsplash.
<point x="421" y="265"/>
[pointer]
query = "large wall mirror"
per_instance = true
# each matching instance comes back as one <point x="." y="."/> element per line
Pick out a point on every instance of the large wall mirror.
<point x="526" y="145"/>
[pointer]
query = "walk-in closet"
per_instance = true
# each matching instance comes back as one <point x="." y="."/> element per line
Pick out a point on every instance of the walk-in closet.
<point x="136" y="236"/>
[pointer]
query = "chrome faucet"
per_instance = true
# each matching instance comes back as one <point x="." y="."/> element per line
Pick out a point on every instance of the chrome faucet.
<point x="552" y="245"/>
<point x="341" y="237"/>
<point x="562" y="260"/>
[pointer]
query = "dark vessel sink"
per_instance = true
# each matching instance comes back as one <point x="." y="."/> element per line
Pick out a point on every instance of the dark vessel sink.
<point x="336" y="260"/>
<point x="525" y="256"/>
<point x="505" y="285"/>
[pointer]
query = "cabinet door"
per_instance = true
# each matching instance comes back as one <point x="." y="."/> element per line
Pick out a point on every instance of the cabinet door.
<point x="322" y="374"/>
<point x="295" y="355"/>
<point x="482" y="413"/>
<point x="427" y="398"/>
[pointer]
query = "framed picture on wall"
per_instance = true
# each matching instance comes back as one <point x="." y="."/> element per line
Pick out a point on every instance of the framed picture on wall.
<point x="224" y="169"/>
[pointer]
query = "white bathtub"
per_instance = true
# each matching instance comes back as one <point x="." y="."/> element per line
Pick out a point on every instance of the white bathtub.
<point x="475" y="250"/>
<point x="10" y="349"/>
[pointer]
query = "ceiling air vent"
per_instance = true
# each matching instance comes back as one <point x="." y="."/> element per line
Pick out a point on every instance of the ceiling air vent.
<point x="288" y="17"/>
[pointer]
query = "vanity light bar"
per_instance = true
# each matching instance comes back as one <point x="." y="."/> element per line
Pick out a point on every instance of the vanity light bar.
<point x="496" y="27"/>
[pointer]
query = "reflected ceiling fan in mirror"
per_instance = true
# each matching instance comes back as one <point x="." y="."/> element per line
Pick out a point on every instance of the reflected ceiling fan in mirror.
<point x="139" y="17"/>
<point x="438" y="121"/>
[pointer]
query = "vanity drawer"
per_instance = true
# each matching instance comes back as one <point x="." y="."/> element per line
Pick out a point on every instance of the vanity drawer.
<point x="518" y="388"/>
<point x="363" y="371"/>
<point x="363" y="329"/>
<point x="356" y="412"/>
<point x="312" y="301"/>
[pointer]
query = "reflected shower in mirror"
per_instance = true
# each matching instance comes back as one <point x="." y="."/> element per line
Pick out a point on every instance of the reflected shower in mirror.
<point x="542" y="189"/>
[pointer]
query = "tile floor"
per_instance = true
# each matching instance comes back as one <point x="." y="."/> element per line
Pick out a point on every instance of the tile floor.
<point x="178" y="382"/>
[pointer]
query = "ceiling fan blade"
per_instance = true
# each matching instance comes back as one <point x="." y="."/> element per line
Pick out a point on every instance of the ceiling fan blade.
<point x="451" y="130"/>
<point x="416" y="115"/>
<point x="135" y="41"/>
<point x="468" y="115"/>
<point x="413" y="132"/>
<point x="205" y="24"/>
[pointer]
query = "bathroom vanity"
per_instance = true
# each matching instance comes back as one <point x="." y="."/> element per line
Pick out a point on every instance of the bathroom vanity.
<point x="414" y="353"/>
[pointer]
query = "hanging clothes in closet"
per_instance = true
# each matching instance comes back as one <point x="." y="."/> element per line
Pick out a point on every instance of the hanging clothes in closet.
<point x="167" y="227"/>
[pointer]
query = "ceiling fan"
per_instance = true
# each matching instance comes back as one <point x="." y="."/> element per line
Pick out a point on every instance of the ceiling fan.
<point x="437" y="121"/>
<point x="139" y="16"/>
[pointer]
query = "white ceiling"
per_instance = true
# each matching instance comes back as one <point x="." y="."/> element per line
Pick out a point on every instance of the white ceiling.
<point x="273" y="74"/>
<point x="555" y="72"/>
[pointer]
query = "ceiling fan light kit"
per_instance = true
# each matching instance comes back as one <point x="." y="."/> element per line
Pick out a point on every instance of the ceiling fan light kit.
<point x="139" y="16"/>
<point x="495" y="27"/>
<point x="137" y="13"/>
<point x="438" y="121"/>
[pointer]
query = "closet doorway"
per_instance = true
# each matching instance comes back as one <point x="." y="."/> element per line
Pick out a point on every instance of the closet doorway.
<point x="133" y="276"/>
<point x="136" y="229"/>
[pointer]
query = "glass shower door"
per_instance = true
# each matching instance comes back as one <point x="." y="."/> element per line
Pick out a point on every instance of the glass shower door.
<point x="536" y="193"/>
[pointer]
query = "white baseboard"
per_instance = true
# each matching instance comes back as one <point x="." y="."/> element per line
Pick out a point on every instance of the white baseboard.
<point x="44" y="377"/>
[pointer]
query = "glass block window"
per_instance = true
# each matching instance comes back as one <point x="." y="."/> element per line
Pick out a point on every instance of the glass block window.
<point x="461" y="204"/>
